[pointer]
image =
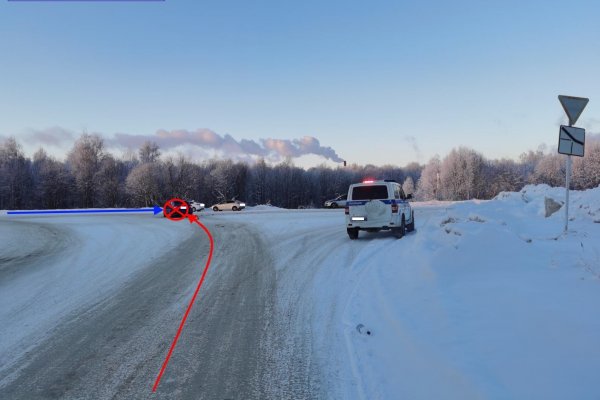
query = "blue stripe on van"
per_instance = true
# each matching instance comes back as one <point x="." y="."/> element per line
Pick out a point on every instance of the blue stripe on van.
<point x="363" y="202"/>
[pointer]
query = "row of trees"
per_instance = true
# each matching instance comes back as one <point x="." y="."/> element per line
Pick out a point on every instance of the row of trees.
<point x="92" y="177"/>
<point x="465" y="174"/>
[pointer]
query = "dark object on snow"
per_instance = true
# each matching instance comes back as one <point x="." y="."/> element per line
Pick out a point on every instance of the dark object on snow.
<point x="551" y="206"/>
<point x="362" y="330"/>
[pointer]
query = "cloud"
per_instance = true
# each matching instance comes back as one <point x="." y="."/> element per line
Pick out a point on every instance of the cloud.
<point x="275" y="149"/>
<point x="55" y="137"/>
<point x="201" y="139"/>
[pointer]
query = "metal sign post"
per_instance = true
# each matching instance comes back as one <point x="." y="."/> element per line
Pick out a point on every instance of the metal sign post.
<point x="571" y="140"/>
<point x="567" y="186"/>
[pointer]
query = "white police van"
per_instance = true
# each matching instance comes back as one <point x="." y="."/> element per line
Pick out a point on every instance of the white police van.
<point x="378" y="205"/>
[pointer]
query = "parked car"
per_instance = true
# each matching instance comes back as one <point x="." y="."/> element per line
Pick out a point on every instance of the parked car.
<point x="195" y="205"/>
<point x="339" y="201"/>
<point x="233" y="205"/>
<point x="378" y="205"/>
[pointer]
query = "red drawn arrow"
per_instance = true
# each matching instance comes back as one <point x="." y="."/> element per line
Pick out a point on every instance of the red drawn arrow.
<point x="193" y="219"/>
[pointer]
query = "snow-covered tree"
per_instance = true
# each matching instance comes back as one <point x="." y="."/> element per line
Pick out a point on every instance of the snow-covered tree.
<point x="408" y="186"/>
<point x="550" y="170"/>
<point x="429" y="184"/>
<point x="144" y="185"/>
<point x="463" y="175"/>
<point x="586" y="170"/>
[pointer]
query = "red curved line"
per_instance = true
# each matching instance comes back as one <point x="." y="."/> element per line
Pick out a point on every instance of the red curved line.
<point x="189" y="308"/>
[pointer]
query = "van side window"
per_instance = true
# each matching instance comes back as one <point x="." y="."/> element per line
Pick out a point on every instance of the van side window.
<point x="402" y="195"/>
<point x="396" y="192"/>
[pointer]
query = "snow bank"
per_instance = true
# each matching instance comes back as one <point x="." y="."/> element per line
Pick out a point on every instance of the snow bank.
<point x="486" y="300"/>
<point x="264" y="207"/>
<point x="584" y="204"/>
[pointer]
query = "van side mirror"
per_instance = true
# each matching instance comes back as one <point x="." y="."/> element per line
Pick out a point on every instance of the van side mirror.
<point x="409" y="196"/>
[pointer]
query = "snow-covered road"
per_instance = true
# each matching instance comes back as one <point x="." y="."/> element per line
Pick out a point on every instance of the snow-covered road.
<point x="94" y="338"/>
<point x="484" y="300"/>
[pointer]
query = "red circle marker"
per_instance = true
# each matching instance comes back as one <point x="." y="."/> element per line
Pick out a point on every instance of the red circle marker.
<point x="173" y="210"/>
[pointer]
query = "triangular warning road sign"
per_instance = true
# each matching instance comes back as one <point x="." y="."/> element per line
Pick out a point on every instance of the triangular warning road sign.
<point x="573" y="106"/>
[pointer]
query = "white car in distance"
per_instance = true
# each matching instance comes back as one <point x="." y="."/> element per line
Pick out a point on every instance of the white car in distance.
<point x="195" y="206"/>
<point x="339" y="201"/>
<point x="232" y="205"/>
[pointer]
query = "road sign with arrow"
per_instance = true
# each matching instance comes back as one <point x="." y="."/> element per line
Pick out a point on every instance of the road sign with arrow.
<point x="571" y="141"/>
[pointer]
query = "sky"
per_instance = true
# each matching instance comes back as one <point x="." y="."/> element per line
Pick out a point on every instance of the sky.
<point x="378" y="82"/>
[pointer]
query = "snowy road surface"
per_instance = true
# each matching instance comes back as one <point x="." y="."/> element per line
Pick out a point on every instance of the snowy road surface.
<point x="484" y="300"/>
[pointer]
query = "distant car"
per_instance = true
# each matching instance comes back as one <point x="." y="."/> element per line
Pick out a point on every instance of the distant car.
<point x="195" y="205"/>
<point x="339" y="201"/>
<point x="233" y="205"/>
<point x="378" y="205"/>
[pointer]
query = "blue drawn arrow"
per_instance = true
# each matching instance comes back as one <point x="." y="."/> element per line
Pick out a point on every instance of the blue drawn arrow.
<point x="155" y="210"/>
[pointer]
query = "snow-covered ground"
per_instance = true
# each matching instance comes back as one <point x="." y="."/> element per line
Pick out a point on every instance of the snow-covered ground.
<point x="486" y="299"/>
<point x="52" y="265"/>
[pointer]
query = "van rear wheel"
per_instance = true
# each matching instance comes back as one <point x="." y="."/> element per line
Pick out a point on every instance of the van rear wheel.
<point x="411" y="227"/>
<point x="352" y="233"/>
<point x="399" y="232"/>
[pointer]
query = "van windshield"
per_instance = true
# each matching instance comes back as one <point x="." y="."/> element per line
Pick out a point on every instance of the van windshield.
<point x="370" y="192"/>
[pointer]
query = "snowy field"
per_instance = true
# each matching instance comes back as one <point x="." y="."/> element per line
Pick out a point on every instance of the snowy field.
<point x="486" y="299"/>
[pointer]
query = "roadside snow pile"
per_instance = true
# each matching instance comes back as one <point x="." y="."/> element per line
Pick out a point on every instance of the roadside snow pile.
<point x="264" y="207"/>
<point x="13" y="248"/>
<point x="584" y="204"/>
<point x="487" y="299"/>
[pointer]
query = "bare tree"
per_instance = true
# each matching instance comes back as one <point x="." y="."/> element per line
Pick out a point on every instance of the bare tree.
<point x="258" y="182"/>
<point x="222" y="175"/>
<point x="178" y="177"/>
<point x="15" y="176"/>
<point x="53" y="184"/>
<point x="84" y="160"/>
<point x="149" y="152"/>
<point x="109" y="184"/>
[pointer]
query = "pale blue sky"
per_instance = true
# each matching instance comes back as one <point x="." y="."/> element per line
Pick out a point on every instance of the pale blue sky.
<point x="362" y="77"/>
